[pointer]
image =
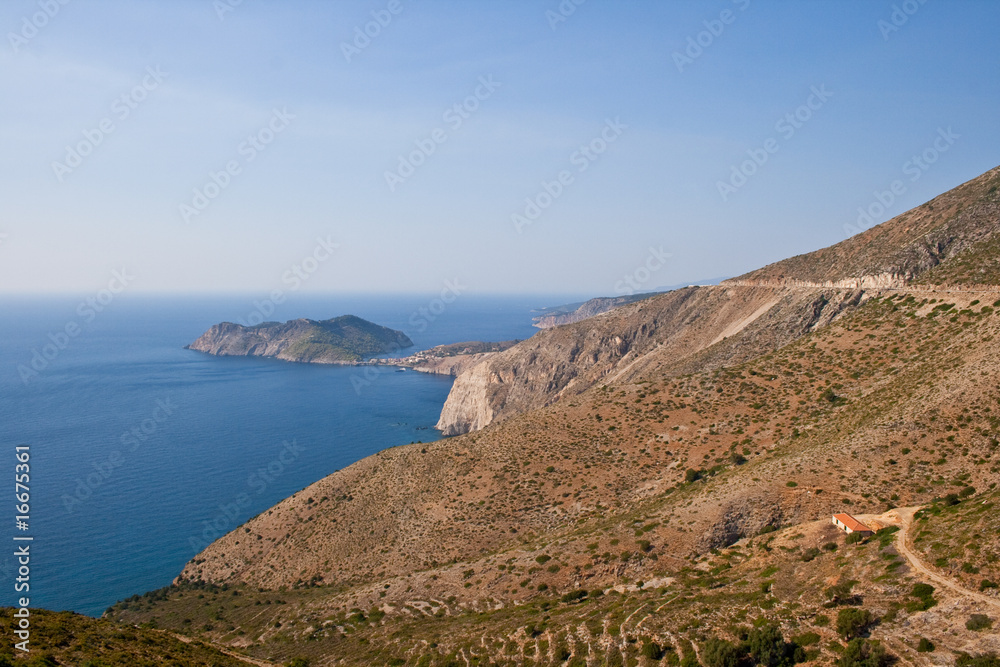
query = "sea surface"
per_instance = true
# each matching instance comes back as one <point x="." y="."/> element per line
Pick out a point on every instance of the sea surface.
<point x="142" y="451"/>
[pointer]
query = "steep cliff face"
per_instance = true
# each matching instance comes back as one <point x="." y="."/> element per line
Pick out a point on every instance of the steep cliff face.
<point x="342" y="339"/>
<point x="703" y="326"/>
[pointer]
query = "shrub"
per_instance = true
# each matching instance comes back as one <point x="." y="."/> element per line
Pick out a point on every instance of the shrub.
<point x="978" y="622"/>
<point x="573" y="596"/>
<point x="985" y="660"/>
<point x="861" y="653"/>
<point x="543" y="559"/>
<point x="925" y="598"/>
<point x="840" y="593"/>
<point x="925" y="645"/>
<point x="692" y="475"/>
<point x="720" y="653"/>
<point x="652" y="651"/>
<point x="810" y="554"/>
<point x="767" y="647"/>
<point x="298" y="662"/>
<point x="854" y="538"/>
<point x="852" y="622"/>
<point x="986" y="583"/>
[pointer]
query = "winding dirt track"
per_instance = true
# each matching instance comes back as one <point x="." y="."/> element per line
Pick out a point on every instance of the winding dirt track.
<point x="905" y="515"/>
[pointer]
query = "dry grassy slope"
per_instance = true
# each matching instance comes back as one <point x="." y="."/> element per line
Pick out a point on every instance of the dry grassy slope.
<point x="781" y="578"/>
<point x="862" y="409"/>
<point x="962" y="542"/>
<point x="906" y="246"/>
<point x="72" y="639"/>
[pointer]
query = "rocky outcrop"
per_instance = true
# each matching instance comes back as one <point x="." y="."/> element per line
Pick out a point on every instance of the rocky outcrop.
<point x="470" y="406"/>
<point x="672" y="333"/>
<point x="741" y="518"/>
<point x="341" y="340"/>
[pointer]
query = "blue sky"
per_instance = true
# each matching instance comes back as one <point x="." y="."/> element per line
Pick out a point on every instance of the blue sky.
<point x="184" y="85"/>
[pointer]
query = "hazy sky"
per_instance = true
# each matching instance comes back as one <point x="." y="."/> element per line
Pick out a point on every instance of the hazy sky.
<point x="116" y="115"/>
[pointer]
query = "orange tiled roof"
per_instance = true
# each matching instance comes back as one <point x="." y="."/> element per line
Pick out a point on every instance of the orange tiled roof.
<point x="850" y="522"/>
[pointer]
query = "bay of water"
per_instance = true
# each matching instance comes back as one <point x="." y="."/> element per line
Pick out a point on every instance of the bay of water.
<point x="138" y="445"/>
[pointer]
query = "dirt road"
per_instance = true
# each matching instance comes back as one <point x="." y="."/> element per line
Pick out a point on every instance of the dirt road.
<point x="905" y="516"/>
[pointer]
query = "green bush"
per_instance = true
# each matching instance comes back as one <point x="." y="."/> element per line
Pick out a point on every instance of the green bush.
<point x="767" y="647"/>
<point x="978" y="622"/>
<point x="720" y="653"/>
<point x="573" y="596"/>
<point x="852" y="622"/>
<point x="925" y="645"/>
<point x="854" y="538"/>
<point x="810" y="554"/>
<point x="840" y="593"/>
<point x="652" y="651"/>
<point x="925" y="598"/>
<point x="861" y="653"/>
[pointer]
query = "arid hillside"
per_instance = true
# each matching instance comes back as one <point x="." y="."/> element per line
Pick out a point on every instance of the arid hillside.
<point x="949" y="242"/>
<point x="663" y="474"/>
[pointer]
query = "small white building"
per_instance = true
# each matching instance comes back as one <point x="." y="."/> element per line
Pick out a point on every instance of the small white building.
<point x="849" y="524"/>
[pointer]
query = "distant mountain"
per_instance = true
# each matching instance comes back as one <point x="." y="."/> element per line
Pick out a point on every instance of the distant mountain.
<point x="574" y="312"/>
<point x="698" y="283"/>
<point x="581" y="310"/>
<point x="341" y="340"/>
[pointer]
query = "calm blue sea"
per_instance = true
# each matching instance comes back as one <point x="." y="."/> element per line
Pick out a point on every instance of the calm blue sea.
<point x="140" y="449"/>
